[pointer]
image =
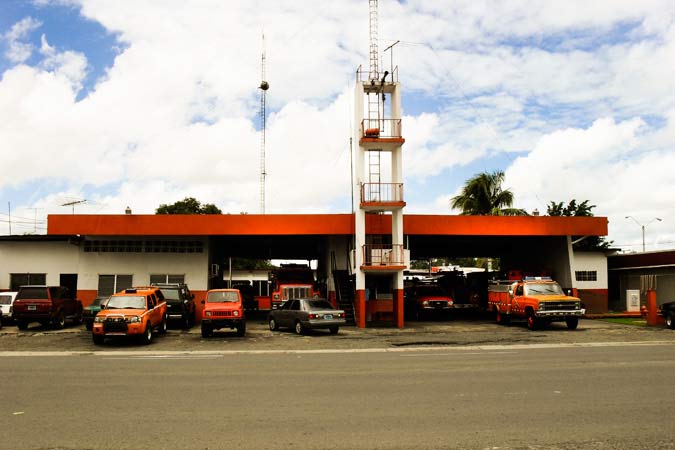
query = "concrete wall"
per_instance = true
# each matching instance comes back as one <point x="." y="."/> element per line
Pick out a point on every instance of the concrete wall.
<point x="51" y="258"/>
<point x="590" y="261"/>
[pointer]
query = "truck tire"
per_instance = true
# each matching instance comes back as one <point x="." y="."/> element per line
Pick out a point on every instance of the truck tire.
<point x="163" y="326"/>
<point x="572" y="323"/>
<point x="241" y="329"/>
<point x="274" y="326"/>
<point x="501" y="319"/>
<point x="78" y="318"/>
<point x="334" y="330"/>
<point x="207" y="331"/>
<point x="98" y="339"/>
<point x="146" y="338"/>
<point x="670" y="320"/>
<point x="59" y="321"/>
<point x="22" y="325"/>
<point x="532" y="321"/>
<point x="299" y="329"/>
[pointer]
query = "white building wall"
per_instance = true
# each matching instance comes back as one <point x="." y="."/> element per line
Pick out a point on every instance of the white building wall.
<point x="51" y="258"/>
<point x="590" y="261"/>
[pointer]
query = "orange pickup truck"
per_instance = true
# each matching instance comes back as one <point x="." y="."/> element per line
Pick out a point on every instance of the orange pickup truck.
<point x="135" y="312"/>
<point x="223" y="308"/>
<point x="540" y="301"/>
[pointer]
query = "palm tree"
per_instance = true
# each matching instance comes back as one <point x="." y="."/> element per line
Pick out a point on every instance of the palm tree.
<point x="482" y="195"/>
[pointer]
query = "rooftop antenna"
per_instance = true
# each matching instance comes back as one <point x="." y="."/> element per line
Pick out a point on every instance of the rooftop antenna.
<point x="374" y="54"/>
<point x="73" y="203"/>
<point x="264" y="86"/>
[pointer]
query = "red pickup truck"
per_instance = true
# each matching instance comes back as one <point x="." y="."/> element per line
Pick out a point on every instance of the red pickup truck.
<point x="49" y="305"/>
<point x="539" y="301"/>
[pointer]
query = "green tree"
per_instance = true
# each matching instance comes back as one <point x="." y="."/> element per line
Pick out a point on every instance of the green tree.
<point x="482" y="195"/>
<point x="583" y="209"/>
<point x="189" y="205"/>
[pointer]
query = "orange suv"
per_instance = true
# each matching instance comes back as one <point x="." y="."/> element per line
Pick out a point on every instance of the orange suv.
<point x="135" y="312"/>
<point x="223" y="308"/>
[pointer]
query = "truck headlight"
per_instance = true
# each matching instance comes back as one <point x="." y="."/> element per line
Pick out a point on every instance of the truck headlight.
<point x="133" y="319"/>
<point x="450" y="303"/>
<point x="207" y="313"/>
<point x="425" y="303"/>
<point x="235" y="313"/>
<point x="542" y="306"/>
<point x="99" y="319"/>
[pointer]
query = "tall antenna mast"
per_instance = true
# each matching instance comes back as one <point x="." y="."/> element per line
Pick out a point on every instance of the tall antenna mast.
<point x="374" y="54"/>
<point x="264" y="86"/>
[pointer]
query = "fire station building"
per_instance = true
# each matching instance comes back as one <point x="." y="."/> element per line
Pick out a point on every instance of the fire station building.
<point x="100" y="254"/>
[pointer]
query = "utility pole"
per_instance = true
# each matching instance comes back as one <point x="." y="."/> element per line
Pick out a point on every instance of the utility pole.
<point x="9" y="216"/>
<point x="643" y="226"/>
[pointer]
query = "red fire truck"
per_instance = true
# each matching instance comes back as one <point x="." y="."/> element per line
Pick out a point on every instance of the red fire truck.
<point x="292" y="281"/>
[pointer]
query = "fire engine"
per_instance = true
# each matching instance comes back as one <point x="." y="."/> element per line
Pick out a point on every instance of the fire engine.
<point x="292" y="281"/>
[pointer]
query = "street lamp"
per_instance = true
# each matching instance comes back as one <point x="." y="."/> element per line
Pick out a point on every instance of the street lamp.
<point x="643" y="228"/>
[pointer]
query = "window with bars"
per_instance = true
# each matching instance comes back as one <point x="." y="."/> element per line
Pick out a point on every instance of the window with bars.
<point x="586" y="275"/>
<point x="154" y="246"/>
<point x="110" y="284"/>
<point x="163" y="278"/>
<point x="23" y="279"/>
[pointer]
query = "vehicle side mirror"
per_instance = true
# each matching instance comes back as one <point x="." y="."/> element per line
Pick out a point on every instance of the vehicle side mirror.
<point x="185" y="301"/>
<point x="511" y="292"/>
<point x="192" y="296"/>
<point x="203" y="302"/>
<point x="102" y="306"/>
<point x="569" y="292"/>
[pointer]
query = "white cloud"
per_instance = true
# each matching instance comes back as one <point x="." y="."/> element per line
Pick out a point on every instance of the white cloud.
<point x="19" y="51"/>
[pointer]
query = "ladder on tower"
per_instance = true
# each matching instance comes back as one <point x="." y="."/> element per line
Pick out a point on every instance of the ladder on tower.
<point x="374" y="180"/>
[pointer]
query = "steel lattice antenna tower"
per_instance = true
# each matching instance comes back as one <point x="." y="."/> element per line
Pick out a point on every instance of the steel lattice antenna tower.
<point x="264" y="86"/>
<point x="374" y="54"/>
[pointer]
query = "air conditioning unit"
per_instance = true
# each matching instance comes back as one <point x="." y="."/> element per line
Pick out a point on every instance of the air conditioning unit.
<point x="632" y="300"/>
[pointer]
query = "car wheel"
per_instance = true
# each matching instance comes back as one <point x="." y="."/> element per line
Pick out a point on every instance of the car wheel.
<point x="670" y="320"/>
<point x="59" y="321"/>
<point x="299" y="329"/>
<point x="22" y="325"/>
<point x="98" y="339"/>
<point x="532" y="322"/>
<point x="572" y="323"/>
<point x="274" y="326"/>
<point x="147" y="336"/>
<point x="501" y="319"/>
<point x="89" y="326"/>
<point x="334" y="330"/>
<point x="163" y="326"/>
<point x="241" y="329"/>
<point x="78" y="318"/>
<point x="206" y="331"/>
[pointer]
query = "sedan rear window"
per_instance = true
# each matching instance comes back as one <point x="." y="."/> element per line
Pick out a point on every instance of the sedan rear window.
<point x="318" y="304"/>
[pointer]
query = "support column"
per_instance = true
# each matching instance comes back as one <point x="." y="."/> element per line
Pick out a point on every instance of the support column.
<point x="398" y="308"/>
<point x="653" y="317"/>
<point x="361" y="308"/>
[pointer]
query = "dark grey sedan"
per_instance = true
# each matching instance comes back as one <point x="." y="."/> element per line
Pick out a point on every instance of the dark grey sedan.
<point x="306" y="314"/>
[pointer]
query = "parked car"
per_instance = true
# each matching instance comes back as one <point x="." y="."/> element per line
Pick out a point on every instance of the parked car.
<point x="90" y="311"/>
<point x="49" y="305"/>
<point x="134" y="312"/>
<point x="180" y="303"/>
<point x="6" y="305"/>
<point x="223" y="308"/>
<point x="306" y="314"/>
<point x="667" y="311"/>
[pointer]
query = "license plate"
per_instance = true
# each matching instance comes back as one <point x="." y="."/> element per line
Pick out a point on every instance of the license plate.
<point x="328" y="317"/>
<point x="32" y="307"/>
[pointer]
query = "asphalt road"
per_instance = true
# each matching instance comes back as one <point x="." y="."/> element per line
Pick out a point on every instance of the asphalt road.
<point x="591" y="395"/>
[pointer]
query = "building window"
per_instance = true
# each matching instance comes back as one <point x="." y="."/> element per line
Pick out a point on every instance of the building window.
<point x="161" y="279"/>
<point x="586" y="275"/>
<point x="109" y="284"/>
<point x="127" y="246"/>
<point x="24" y="279"/>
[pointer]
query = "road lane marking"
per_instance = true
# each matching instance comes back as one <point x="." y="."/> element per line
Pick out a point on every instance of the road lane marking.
<point x="463" y="349"/>
<point x="426" y="355"/>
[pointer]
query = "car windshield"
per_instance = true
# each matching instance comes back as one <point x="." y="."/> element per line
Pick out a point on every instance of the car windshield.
<point x="430" y="290"/>
<point x="222" y="297"/>
<point x="33" y="293"/>
<point x="126" y="301"/>
<point x="543" y="289"/>
<point x="318" y="304"/>
<point x="171" y="293"/>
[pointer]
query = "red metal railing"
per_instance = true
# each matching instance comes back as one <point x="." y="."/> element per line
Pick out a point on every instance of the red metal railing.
<point x="381" y="128"/>
<point x="383" y="255"/>
<point x="382" y="192"/>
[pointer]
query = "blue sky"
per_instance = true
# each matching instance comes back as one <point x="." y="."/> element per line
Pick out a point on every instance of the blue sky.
<point x="143" y="103"/>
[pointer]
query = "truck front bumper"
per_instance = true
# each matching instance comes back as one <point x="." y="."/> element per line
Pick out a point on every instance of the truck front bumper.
<point x="217" y="324"/>
<point x="560" y="314"/>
